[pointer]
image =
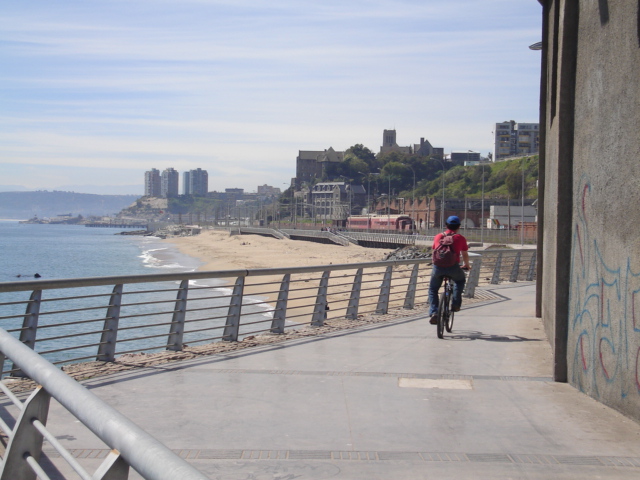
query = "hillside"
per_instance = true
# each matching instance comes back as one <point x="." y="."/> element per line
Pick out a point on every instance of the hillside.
<point x="24" y="205"/>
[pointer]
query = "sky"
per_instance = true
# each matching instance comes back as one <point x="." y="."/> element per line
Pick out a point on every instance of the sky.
<point x="95" y="93"/>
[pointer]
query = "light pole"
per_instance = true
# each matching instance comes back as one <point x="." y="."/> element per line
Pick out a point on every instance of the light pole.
<point x="522" y="214"/>
<point x="442" y="207"/>
<point x="482" y="210"/>
<point x="413" y="195"/>
<point x="389" y="205"/>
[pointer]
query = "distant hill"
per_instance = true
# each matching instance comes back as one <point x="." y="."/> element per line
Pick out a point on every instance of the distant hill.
<point x="24" y="205"/>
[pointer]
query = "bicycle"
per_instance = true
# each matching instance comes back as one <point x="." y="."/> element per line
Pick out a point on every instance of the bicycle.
<point x="445" y="307"/>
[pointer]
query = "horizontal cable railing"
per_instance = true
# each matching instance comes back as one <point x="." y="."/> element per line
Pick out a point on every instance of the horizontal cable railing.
<point x="74" y="320"/>
<point x="101" y="318"/>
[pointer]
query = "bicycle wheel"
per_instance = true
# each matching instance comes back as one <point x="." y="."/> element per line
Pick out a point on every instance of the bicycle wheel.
<point x="449" y="320"/>
<point x="442" y="309"/>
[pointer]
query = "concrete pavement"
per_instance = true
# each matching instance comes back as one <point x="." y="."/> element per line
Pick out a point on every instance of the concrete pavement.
<point x="387" y="401"/>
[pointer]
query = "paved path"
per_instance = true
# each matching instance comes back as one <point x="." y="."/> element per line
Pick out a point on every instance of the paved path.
<point x="388" y="401"/>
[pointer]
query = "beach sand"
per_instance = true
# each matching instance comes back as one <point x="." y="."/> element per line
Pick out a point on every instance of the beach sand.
<point x="221" y="251"/>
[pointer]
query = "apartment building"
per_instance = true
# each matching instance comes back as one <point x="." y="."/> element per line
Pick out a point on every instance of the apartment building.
<point x="169" y="183"/>
<point x="195" y="182"/>
<point x="513" y="139"/>
<point x="152" y="184"/>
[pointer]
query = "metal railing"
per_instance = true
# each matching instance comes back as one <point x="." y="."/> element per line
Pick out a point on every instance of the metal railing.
<point x="131" y="446"/>
<point x="101" y="318"/>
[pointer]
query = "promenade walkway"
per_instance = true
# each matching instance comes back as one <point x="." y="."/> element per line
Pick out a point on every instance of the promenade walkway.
<point x="386" y="401"/>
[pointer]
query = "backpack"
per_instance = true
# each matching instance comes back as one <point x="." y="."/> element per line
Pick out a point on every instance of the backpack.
<point x="444" y="255"/>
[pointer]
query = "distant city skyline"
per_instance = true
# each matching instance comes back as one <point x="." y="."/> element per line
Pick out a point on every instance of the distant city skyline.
<point x="94" y="94"/>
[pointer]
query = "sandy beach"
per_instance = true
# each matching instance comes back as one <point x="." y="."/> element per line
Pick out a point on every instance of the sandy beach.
<point x="221" y="251"/>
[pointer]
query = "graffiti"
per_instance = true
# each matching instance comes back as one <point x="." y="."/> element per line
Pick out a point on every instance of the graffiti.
<point x="604" y="308"/>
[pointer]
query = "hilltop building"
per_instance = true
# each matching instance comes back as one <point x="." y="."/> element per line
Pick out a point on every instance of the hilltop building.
<point x="465" y="158"/>
<point x="312" y="165"/>
<point x="195" y="182"/>
<point x="513" y="139"/>
<point x="152" y="184"/>
<point x="169" y="183"/>
<point x="389" y="144"/>
<point x="268" y="191"/>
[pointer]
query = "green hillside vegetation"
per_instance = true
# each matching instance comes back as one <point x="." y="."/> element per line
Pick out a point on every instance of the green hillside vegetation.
<point x="395" y="171"/>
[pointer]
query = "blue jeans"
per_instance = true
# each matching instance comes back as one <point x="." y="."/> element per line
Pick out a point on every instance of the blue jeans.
<point x="437" y="276"/>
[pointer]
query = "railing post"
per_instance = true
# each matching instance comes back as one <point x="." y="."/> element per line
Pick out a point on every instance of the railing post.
<point x="496" y="270"/>
<point x="321" y="307"/>
<point x="473" y="278"/>
<point x="279" y="316"/>
<point x="176" y="332"/>
<point x="232" y="326"/>
<point x="532" y="267"/>
<point x="29" y="327"/>
<point x="109" y="337"/>
<point x="516" y="267"/>
<point x="114" y="467"/>
<point x="25" y="438"/>
<point x="354" y="299"/>
<point x="385" y="292"/>
<point x="30" y="322"/>
<point x="410" y="298"/>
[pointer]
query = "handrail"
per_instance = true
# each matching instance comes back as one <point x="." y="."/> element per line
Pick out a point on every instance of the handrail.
<point x="149" y="457"/>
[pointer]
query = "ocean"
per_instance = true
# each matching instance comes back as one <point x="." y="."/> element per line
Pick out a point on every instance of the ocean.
<point x="70" y="251"/>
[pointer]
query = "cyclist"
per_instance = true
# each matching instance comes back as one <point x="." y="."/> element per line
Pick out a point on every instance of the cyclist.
<point x="455" y="273"/>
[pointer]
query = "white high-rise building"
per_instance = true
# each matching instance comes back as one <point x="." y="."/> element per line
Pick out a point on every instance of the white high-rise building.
<point x="513" y="139"/>
<point x="169" y="183"/>
<point x="152" y="183"/>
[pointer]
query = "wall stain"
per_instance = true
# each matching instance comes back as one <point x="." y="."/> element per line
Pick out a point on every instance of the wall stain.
<point x="604" y="313"/>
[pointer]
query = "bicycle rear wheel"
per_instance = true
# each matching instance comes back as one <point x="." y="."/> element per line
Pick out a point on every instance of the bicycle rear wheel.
<point x="443" y="308"/>
<point x="449" y="320"/>
<point x="449" y="323"/>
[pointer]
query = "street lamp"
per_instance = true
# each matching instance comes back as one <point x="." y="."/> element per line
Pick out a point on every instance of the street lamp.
<point x="413" y="195"/>
<point x="482" y="210"/>
<point x="442" y="207"/>
<point x="522" y="214"/>
<point x="369" y="175"/>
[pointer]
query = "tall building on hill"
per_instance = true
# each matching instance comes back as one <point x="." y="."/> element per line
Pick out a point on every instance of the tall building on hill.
<point x="513" y="139"/>
<point x="195" y="182"/>
<point x="152" y="183"/>
<point x="169" y="183"/>
<point x="389" y="143"/>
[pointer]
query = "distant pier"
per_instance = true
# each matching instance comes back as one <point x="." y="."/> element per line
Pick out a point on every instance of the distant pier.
<point x="117" y="225"/>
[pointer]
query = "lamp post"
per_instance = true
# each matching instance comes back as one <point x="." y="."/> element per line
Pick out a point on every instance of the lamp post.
<point x="389" y="205"/>
<point x="413" y="195"/>
<point x="482" y="210"/>
<point x="442" y="207"/>
<point x="522" y="213"/>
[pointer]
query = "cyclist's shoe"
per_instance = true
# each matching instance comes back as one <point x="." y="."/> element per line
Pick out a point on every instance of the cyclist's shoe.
<point x="434" y="319"/>
<point x="455" y="308"/>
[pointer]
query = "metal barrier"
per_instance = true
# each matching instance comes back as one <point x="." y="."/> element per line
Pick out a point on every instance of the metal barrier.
<point x="101" y="318"/>
<point x="104" y="317"/>
<point x="131" y="446"/>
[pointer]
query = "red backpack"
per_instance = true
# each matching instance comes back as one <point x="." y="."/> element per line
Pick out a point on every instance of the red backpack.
<point x="444" y="255"/>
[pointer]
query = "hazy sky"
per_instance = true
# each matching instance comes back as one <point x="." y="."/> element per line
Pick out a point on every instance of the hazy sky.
<point x="98" y="92"/>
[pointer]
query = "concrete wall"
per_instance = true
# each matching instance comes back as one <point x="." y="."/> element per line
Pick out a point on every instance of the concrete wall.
<point x="590" y="115"/>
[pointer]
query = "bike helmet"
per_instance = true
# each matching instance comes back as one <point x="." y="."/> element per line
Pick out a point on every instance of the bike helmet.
<point x="453" y="220"/>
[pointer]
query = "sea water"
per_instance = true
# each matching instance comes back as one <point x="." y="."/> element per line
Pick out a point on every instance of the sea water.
<point x="76" y="251"/>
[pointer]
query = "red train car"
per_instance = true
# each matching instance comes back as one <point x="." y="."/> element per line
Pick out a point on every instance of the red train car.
<point x="380" y="222"/>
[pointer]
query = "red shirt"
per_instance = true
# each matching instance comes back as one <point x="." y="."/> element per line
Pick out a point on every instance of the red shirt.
<point x="459" y="243"/>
